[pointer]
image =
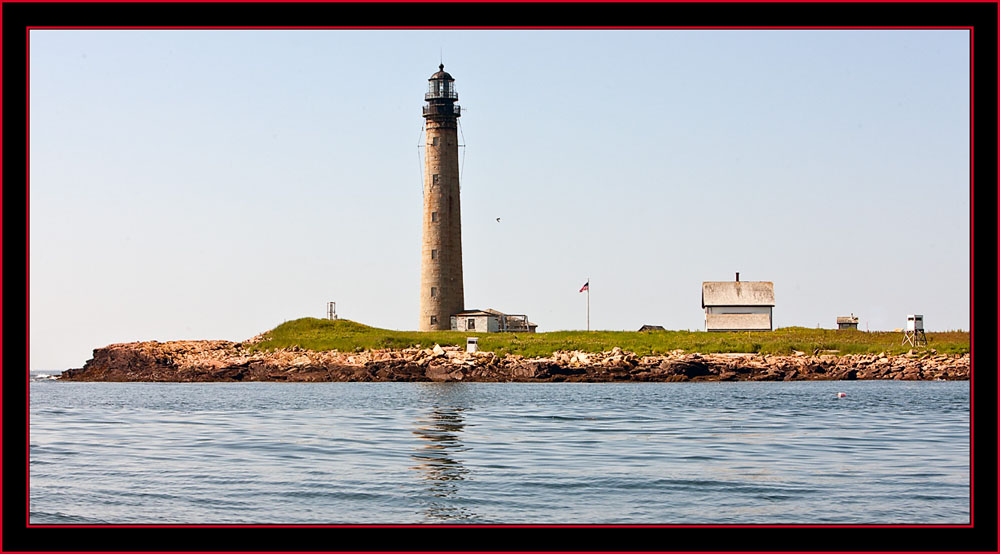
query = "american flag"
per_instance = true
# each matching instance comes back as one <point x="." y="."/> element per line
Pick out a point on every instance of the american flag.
<point x="586" y="286"/>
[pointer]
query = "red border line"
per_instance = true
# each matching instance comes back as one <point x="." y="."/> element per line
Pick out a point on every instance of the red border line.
<point x="570" y="526"/>
<point x="512" y="2"/>
<point x="497" y="27"/>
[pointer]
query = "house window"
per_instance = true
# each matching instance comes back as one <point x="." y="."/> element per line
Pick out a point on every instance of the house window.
<point x="434" y="216"/>
<point x="434" y="320"/>
<point x="434" y="254"/>
<point x="434" y="291"/>
<point x="470" y="325"/>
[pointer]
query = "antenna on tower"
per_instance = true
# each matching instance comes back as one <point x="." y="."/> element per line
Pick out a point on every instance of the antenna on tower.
<point x="461" y="171"/>
<point x="420" y="162"/>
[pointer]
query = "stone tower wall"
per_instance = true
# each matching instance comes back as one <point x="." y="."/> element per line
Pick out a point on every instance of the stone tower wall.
<point x="441" y="290"/>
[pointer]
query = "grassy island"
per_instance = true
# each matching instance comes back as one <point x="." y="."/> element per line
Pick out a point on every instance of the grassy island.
<point x="345" y="336"/>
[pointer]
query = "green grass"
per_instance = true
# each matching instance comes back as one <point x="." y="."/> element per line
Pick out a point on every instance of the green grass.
<point x="347" y="336"/>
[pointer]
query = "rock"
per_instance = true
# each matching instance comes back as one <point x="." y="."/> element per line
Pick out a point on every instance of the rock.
<point x="845" y="374"/>
<point x="687" y="368"/>
<point x="228" y="361"/>
<point x="438" y="373"/>
<point x="770" y="375"/>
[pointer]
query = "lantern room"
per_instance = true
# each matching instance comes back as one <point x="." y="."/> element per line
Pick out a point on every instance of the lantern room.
<point x="441" y="96"/>
<point x="441" y="85"/>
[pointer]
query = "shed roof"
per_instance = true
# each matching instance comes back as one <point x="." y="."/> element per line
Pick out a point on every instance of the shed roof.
<point x="737" y="293"/>
<point x="847" y="319"/>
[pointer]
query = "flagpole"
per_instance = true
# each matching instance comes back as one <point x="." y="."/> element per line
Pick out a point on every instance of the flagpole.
<point x="588" y="304"/>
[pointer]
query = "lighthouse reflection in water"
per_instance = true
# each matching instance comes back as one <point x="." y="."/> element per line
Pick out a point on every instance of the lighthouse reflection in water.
<point x="438" y="459"/>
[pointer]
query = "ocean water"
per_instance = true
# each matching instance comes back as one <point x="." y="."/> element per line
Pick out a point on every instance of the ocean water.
<point x="889" y="452"/>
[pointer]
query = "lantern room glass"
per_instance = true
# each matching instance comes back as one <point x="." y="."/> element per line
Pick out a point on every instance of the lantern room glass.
<point x="440" y="88"/>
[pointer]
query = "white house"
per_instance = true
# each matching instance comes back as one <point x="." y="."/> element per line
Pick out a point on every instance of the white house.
<point x="478" y="321"/>
<point x="491" y="321"/>
<point x="738" y="305"/>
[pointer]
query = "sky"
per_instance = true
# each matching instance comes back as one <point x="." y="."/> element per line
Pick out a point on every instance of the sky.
<point x="212" y="184"/>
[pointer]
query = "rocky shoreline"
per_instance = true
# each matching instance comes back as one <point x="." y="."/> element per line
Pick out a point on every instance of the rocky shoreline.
<point x="217" y="360"/>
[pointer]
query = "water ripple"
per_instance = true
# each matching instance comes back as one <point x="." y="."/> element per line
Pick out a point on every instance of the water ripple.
<point x="499" y="453"/>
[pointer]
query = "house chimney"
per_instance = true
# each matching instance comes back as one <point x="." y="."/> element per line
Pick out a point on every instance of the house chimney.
<point x="737" y="276"/>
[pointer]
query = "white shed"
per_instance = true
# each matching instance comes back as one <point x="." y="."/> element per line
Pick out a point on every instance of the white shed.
<point x="738" y="305"/>
<point x="478" y="321"/>
<point x="491" y="321"/>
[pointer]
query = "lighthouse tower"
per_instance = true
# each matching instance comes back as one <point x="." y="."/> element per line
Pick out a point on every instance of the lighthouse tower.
<point x="441" y="290"/>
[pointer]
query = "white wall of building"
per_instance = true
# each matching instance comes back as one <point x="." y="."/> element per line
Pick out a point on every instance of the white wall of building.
<point x="738" y="318"/>
<point x="480" y="323"/>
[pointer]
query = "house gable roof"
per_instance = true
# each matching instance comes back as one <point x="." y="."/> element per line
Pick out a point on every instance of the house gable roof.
<point x="476" y="312"/>
<point x="737" y="293"/>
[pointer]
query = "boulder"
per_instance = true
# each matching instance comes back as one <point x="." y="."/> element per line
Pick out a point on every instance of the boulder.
<point x="438" y="373"/>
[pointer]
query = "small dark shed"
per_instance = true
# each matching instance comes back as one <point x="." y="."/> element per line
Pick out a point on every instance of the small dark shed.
<point x="847" y="322"/>
<point x="652" y="328"/>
